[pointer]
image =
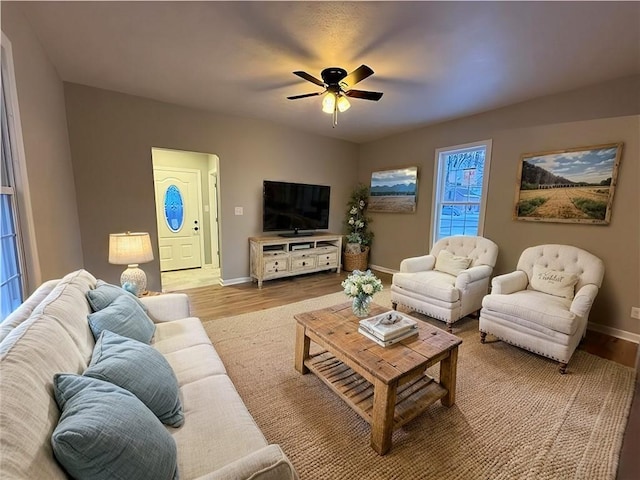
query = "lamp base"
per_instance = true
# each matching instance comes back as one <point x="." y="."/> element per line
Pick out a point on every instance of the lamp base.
<point x="134" y="280"/>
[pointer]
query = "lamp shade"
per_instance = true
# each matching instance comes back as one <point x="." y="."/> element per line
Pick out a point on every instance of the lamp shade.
<point x="130" y="248"/>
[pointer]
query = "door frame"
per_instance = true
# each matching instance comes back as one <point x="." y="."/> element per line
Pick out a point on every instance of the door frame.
<point x="214" y="216"/>
<point x="200" y="212"/>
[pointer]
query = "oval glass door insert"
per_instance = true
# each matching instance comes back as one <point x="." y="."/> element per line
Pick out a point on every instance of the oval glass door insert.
<point x="173" y="208"/>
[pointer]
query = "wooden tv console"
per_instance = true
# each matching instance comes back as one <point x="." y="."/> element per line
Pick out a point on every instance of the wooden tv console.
<point x="276" y="257"/>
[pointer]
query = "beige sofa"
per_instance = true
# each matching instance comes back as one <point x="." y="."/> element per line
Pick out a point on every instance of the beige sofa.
<point x="49" y="334"/>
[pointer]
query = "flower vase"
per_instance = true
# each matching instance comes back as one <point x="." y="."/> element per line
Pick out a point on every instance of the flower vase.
<point x="361" y="305"/>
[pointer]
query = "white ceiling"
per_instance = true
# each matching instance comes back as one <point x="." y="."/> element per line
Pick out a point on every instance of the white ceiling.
<point x="434" y="61"/>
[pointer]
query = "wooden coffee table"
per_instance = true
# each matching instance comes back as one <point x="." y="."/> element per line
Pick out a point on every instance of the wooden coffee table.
<point x="387" y="386"/>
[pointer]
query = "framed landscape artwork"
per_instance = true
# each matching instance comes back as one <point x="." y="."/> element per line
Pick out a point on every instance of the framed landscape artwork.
<point x="394" y="191"/>
<point x="570" y="186"/>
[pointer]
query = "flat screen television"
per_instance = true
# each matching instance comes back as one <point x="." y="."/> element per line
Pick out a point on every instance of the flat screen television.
<point x="293" y="207"/>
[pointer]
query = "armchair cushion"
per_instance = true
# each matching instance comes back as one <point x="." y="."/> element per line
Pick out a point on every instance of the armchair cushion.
<point x="432" y="283"/>
<point x="447" y="262"/>
<point x="554" y="282"/>
<point x="538" y="310"/>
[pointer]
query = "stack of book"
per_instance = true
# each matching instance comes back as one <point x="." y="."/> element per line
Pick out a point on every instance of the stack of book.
<point x="388" y="328"/>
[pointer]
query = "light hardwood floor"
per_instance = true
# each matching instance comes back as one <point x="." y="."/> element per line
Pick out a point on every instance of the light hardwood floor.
<point x="215" y="301"/>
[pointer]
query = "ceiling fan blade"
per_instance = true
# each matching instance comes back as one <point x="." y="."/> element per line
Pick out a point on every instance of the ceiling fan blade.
<point x="357" y="75"/>
<point x="364" y="94"/>
<point x="309" y="78"/>
<point x="304" y="95"/>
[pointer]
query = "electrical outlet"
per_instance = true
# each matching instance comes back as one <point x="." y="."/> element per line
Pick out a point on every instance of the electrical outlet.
<point x="635" y="312"/>
<point x="239" y="211"/>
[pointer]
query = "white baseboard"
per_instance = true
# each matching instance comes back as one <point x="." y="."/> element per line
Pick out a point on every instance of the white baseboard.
<point x="614" y="332"/>
<point x="382" y="269"/>
<point x="234" y="281"/>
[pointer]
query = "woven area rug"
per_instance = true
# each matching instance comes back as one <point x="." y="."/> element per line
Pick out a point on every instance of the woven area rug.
<point x="515" y="416"/>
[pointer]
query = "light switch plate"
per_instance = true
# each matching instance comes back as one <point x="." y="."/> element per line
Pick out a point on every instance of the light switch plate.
<point x="635" y="312"/>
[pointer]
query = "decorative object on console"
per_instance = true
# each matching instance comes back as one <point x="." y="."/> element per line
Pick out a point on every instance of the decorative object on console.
<point x="575" y="185"/>
<point x="337" y="87"/>
<point x="360" y="286"/>
<point x="356" y="253"/>
<point x="131" y="249"/>
<point x="394" y="191"/>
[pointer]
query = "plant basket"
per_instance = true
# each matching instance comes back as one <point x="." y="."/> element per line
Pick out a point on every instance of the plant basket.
<point x="356" y="261"/>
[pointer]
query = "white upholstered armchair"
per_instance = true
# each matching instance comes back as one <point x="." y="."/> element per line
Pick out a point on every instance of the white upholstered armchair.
<point x="450" y="282"/>
<point x="544" y="305"/>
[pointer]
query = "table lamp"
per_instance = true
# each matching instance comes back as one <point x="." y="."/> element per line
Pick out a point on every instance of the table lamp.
<point x="131" y="249"/>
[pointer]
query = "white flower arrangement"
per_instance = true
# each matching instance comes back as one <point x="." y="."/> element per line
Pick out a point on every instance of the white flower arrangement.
<point x="361" y="284"/>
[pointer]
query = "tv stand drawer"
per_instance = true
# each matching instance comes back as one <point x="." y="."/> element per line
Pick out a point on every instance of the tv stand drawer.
<point x="275" y="265"/>
<point x="303" y="262"/>
<point x="328" y="259"/>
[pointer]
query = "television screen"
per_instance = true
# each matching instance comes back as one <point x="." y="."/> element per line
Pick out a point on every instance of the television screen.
<point x="294" y="206"/>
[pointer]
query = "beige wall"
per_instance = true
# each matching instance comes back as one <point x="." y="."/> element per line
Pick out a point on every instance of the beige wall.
<point x="47" y="153"/>
<point x="111" y="137"/>
<point x="604" y="114"/>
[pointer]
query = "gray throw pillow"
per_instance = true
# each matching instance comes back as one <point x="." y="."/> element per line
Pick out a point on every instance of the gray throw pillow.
<point x="105" y="293"/>
<point x="140" y="369"/>
<point x="105" y="432"/>
<point x="125" y="317"/>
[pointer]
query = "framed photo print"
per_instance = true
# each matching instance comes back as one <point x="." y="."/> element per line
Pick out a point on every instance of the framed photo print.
<point x="570" y="186"/>
<point x="394" y="191"/>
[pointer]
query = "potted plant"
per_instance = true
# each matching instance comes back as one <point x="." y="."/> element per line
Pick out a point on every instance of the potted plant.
<point x="359" y="236"/>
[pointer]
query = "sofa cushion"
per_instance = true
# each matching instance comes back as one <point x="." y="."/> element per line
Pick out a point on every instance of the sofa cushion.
<point x="105" y="293"/>
<point x="214" y="410"/>
<point x="452" y="264"/>
<point x="141" y="370"/>
<point x="553" y="282"/>
<point x="105" y="432"/>
<point x="432" y="283"/>
<point x="125" y="317"/>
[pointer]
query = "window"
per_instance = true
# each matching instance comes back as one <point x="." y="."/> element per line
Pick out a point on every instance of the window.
<point x="460" y="186"/>
<point x="12" y="265"/>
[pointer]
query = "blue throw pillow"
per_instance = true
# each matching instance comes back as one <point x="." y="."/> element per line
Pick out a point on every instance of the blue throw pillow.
<point x="141" y="370"/>
<point x="125" y="317"/>
<point x="105" y="432"/>
<point x="105" y="293"/>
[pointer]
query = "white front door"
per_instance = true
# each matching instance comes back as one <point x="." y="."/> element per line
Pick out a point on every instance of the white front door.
<point x="178" y="206"/>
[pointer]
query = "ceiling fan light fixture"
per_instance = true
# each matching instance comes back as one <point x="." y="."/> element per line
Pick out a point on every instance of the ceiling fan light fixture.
<point x="343" y="104"/>
<point x="329" y="103"/>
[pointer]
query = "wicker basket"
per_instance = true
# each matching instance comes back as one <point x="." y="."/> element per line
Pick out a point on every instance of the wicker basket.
<point x="356" y="261"/>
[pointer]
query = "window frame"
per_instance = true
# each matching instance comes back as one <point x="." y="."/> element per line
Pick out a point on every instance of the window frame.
<point x="439" y="177"/>
<point x="25" y="224"/>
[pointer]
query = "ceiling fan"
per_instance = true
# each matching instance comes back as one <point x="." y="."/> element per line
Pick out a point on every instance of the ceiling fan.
<point x="337" y="87"/>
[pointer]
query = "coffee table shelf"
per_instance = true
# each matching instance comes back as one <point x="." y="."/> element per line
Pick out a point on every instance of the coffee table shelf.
<point x="412" y="398"/>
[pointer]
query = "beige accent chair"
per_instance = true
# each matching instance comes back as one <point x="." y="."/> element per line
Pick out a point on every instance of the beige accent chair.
<point x="422" y="287"/>
<point x="543" y="318"/>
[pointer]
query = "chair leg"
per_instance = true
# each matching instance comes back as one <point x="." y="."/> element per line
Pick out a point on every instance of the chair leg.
<point x="449" y="328"/>
<point x="483" y="337"/>
<point x="562" y="368"/>
<point x="394" y="305"/>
